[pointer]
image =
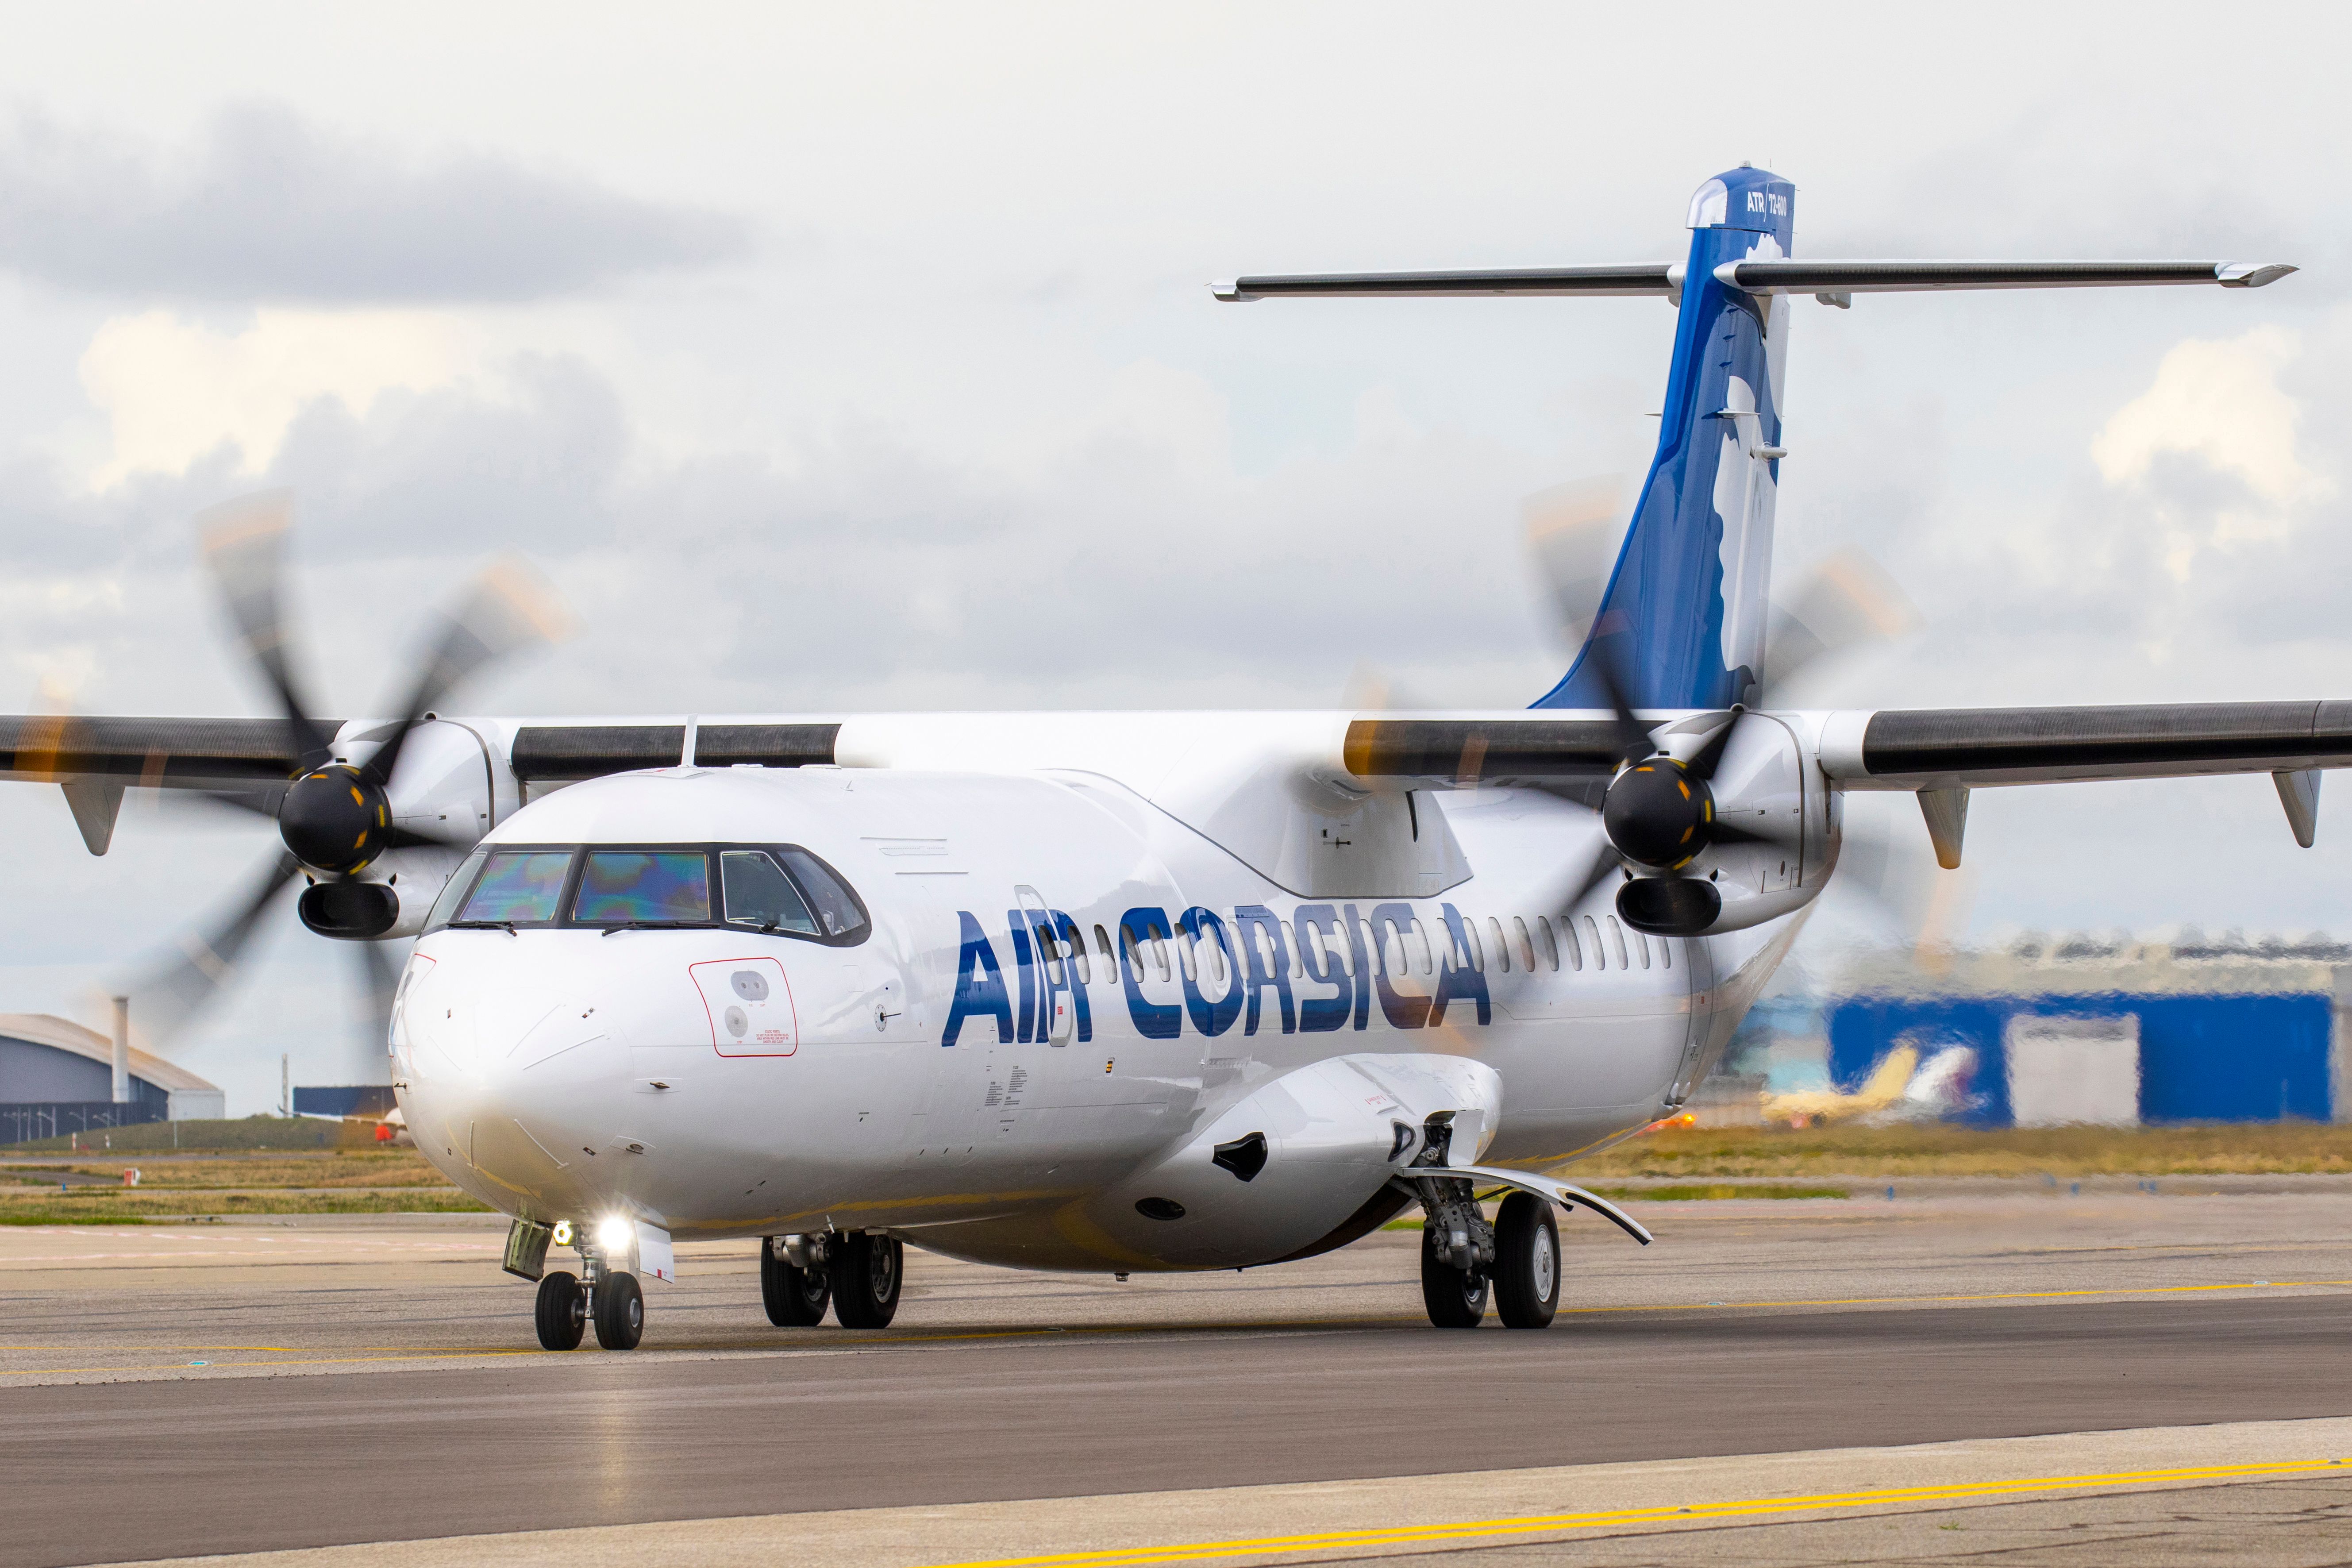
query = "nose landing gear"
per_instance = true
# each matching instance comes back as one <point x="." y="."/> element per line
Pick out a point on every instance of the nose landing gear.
<point x="609" y="1298"/>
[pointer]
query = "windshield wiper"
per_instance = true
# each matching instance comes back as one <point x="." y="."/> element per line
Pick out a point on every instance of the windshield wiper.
<point x="654" y="925"/>
<point x="506" y="926"/>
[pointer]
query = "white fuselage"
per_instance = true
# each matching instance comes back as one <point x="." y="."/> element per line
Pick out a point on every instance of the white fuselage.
<point x="1014" y="1106"/>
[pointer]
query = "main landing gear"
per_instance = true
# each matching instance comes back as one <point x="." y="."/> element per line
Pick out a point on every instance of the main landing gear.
<point x="1463" y="1261"/>
<point x="858" y="1272"/>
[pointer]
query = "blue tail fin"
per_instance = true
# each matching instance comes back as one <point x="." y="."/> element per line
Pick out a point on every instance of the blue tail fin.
<point x="1685" y="607"/>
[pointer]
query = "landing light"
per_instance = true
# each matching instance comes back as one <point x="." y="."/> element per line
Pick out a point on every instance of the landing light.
<point x="562" y="1233"/>
<point x="615" y="1234"/>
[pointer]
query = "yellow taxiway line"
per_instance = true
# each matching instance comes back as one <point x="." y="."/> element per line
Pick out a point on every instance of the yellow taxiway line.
<point x="1748" y="1508"/>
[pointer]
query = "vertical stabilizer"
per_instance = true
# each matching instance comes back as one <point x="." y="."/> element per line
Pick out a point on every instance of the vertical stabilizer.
<point x="1685" y="607"/>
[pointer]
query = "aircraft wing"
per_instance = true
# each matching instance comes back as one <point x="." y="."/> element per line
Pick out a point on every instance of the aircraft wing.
<point x="166" y="753"/>
<point x="1897" y="748"/>
<point x="1960" y="748"/>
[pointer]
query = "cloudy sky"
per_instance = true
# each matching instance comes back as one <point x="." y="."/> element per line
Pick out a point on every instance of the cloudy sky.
<point x="858" y="357"/>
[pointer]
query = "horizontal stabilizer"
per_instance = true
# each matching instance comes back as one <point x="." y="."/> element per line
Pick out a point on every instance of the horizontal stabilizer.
<point x="1915" y="277"/>
<point x="1646" y="278"/>
<point x="1831" y="279"/>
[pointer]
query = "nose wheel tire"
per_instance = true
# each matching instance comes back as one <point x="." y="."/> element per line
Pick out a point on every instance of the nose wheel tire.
<point x="866" y="1272"/>
<point x="1527" y="1262"/>
<point x="1456" y="1298"/>
<point x="620" y="1312"/>
<point x="562" y="1311"/>
<point x="796" y="1297"/>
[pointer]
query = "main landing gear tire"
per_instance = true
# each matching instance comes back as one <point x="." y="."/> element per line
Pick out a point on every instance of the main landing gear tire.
<point x="1456" y="1298"/>
<point x="620" y="1312"/>
<point x="562" y="1311"/>
<point x="866" y="1272"/>
<point x="1527" y="1262"/>
<point x="796" y="1297"/>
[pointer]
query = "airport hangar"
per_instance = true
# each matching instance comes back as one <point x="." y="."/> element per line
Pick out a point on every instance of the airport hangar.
<point x="56" y="1078"/>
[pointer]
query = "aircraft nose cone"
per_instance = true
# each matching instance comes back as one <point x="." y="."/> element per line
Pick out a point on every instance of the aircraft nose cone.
<point x="516" y="1071"/>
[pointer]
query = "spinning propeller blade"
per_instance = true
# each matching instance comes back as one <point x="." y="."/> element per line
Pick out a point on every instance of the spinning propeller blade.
<point x="333" y="818"/>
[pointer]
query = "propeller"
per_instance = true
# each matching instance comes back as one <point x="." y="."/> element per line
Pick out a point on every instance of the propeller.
<point x="1657" y="810"/>
<point x="333" y="816"/>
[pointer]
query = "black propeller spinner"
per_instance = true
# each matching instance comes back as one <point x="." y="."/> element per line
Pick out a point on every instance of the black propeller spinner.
<point x="333" y="816"/>
<point x="1658" y="816"/>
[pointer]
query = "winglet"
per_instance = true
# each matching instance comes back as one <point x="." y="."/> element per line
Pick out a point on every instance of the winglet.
<point x="2250" y="274"/>
<point x="1230" y="292"/>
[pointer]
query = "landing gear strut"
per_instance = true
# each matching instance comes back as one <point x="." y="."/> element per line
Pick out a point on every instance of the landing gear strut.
<point x="1457" y="1252"/>
<point x="795" y="1283"/>
<point x="1456" y="1298"/>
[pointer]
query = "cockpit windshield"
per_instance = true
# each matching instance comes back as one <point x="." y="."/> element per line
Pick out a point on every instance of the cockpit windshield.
<point x="778" y="889"/>
<point x="517" y="885"/>
<point x="758" y="894"/>
<point x="633" y="887"/>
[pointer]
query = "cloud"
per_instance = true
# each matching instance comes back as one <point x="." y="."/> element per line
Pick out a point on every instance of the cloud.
<point x="268" y="207"/>
<point x="173" y="389"/>
<point x="2218" y="400"/>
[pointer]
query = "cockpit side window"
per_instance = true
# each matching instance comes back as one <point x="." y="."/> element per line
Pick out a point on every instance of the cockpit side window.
<point x="453" y="891"/>
<point x="839" y="914"/>
<point x="758" y="894"/>
<point x="518" y="887"/>
<point x="643" y="887"/>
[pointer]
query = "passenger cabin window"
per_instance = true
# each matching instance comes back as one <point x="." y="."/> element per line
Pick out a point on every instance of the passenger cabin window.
<point x="1618" y="931"/>
<point x="518" y="887"/>
<point x="1593" y="943"/>
<point x="1475" y="950"/>
<point x="1527" y="945"/>
<point x="1078" y="955"/>
<point x="760" y="895"/>
<point x="639" y="886"/>
<point x="1550" y="945"/>
<point x="1102" y="946"/>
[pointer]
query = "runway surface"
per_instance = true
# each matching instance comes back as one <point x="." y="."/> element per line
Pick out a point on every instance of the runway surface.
<point x="371" y="1383"/>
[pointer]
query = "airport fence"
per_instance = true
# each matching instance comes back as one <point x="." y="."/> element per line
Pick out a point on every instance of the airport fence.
<point x="26" y="1121"/>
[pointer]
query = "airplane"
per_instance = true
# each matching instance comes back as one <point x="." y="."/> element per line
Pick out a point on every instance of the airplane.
<point x="1901" y="1088"/>
<point x="1118" y="992"/>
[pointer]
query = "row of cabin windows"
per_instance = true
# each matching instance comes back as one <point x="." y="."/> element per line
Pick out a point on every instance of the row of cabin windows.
<point x="1520" y="944"/>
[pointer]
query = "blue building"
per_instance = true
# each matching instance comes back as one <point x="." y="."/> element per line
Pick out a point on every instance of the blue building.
<point x="2206" y="1031"/>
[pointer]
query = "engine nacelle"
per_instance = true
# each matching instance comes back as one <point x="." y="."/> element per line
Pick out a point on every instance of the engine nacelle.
<point x="1288" y="1164"/>
<point x="1770" y="864"/>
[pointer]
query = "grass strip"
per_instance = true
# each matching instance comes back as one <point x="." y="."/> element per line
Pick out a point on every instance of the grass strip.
<point x="2245" y="1149"/>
